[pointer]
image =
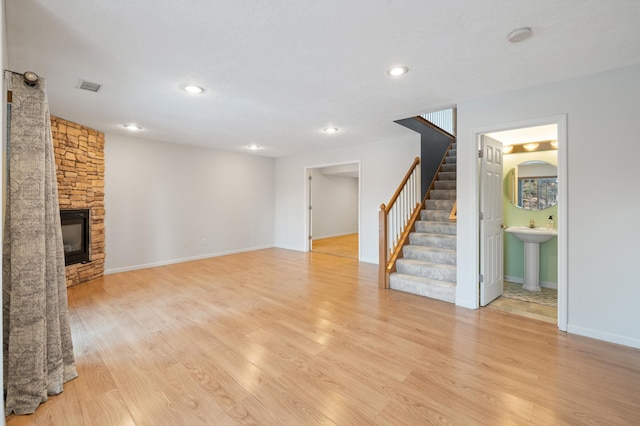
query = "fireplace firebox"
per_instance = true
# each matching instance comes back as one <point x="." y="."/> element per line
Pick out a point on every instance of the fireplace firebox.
<point x="75" y="235"/>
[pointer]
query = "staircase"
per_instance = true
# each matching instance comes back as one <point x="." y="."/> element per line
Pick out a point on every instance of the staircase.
<point x="428" y="266"/>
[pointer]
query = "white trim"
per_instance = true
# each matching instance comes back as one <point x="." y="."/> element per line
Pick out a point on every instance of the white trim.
<point x="607" y="337"/>
<point x="520" y="280"/>
<point x="333" y="236"/>
<point x="182" y="260"/>
<point x="563" y="253"/>
<point x="307" y="171"/>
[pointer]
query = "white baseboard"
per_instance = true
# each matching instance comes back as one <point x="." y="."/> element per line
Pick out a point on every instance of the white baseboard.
<point x="601" y="335"/>
<point x="520" y="280"/>
<point x="334" y="235"/>
<point x="180" y="260"/>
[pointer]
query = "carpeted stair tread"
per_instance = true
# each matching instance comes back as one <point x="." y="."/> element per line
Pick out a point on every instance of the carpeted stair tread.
<point x="430" y="254"/>
<point x="435" y="215"/>
<point x="422" y="268"/>
<point x="434" y="204"/>
<point x="433" y="240"/>
<point x="451" y="167"/>
<point x="445" y="184"/>
<point x="434" y="227"/>
<point x="443" y="194"/>
<point x="435" y="289"/>
<point x="447" y="175"/>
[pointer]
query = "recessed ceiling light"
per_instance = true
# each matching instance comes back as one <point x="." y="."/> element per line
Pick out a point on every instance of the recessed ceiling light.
<point x="254" y="147"/>
<point x="531" y="146"/>
<point x="507" y="149"/>
<point x="331" y="130"/>
<point x="397" y="71"/>
<point x="519" y="35"/>
<point x="192" y="88"/>
<point x="132" y="127"/>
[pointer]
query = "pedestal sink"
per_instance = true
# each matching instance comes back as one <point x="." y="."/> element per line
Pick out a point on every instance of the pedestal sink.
<point x="532" y="237"/>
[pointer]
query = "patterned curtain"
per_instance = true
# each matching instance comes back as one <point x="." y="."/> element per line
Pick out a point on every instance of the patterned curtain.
<point x="37" y="347"/>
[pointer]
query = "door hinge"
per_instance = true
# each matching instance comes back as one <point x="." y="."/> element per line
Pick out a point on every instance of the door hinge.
<point x="481" y="216"/>
<point x="310" y="178"/>
<point x="481" y="278"/>
<point x="310" y="238"/>
<point x="310" y="207"/>
<point x="480" y="153"/>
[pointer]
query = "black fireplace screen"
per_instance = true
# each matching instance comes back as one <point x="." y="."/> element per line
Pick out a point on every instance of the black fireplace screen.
<point x="75" y="235"/>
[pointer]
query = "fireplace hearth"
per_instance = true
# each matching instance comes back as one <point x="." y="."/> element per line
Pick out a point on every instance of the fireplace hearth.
<point x="75" y="235"/>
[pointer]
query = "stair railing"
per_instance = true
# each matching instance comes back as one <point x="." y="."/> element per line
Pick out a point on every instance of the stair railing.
<point x="394" y="226"/>
<point x="394" y="221"/>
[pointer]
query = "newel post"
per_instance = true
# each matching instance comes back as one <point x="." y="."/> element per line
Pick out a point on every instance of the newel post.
<point x="382" y="253"/>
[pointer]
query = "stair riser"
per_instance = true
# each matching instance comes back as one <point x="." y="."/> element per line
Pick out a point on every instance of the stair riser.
<point x="445" y="184"/>
<point x="440" y="273"/>
<point x="433" y="256"/>
<point x="439" y="204"/>
<point x="449" y="167"/>
<point x="435" y="215"/>
<point x="446" y="294"/>
<point x="443" y="194"/>
<point x="447" y="175"/>
<point x="450" y="160"/>
<point x="429" y="240"/>
<point x="447" y="228"/>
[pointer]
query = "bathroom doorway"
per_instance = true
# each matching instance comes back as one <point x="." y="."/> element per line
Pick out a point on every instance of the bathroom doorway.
<point x="534" y="175"/>
<point x="333" y="212"/>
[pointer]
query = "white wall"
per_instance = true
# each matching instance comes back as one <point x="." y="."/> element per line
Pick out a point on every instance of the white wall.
<point x="335" y="205"/>
<point x="603" y="207"/>
<point x="382" y="167"/>
<point x="167" y="202"/>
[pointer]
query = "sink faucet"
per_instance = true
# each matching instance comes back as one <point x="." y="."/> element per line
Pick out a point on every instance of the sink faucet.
<point x="532" y="224"/>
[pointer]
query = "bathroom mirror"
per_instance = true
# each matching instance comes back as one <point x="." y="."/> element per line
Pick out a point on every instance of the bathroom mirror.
<point x="532" y="185"/>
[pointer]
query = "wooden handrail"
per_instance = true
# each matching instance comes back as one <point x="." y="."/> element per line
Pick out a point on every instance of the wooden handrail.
<point x="383" y="224"/>
<point x="393" y="199"/>
<point x="453" y="216"/>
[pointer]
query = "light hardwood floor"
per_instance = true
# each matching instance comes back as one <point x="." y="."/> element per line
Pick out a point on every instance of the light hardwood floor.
<point x="344" y="245"/>
<point x="525" y="309"/>
<point x="277" y="337"/>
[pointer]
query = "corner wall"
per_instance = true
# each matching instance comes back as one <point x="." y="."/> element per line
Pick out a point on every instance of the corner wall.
<point x="602" y="204"/>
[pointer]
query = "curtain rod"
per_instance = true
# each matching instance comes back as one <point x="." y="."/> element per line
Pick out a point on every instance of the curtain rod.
<point x="30" y="77"/>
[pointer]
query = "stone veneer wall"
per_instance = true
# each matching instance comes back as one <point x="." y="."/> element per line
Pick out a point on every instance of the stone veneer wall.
<point x="79" y="153"/>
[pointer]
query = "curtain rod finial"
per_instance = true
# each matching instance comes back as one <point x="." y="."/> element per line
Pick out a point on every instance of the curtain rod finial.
<point x="31" y="78"/>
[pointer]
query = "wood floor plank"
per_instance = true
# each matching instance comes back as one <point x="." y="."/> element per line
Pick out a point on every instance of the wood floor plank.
<point x="276" y="337"/>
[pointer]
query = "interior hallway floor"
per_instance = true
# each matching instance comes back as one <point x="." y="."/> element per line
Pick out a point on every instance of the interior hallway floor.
<point x="525" y="308"/>
<point x="343" y="246"/>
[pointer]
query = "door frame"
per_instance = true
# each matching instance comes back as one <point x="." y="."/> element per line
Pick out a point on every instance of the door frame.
<point x="307" y="201"/>
<point x="562" y="225"/>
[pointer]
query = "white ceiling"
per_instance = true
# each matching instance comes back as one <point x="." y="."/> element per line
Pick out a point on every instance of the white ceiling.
<point x="528" y="134"/>
<point x="277" y="73"/>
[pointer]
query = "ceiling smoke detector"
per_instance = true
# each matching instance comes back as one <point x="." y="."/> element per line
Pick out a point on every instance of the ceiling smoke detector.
<point x="519" y="35"/>
<point x="87" y="85"/>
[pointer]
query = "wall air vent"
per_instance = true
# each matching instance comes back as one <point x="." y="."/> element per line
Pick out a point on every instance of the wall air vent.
<point x="87" y="85"/>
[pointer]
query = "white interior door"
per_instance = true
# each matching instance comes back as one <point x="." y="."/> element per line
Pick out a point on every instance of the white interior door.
<point x="491" y="242"/>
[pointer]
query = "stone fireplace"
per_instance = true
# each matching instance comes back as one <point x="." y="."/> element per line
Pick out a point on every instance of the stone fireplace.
<point x="79" y="153"/>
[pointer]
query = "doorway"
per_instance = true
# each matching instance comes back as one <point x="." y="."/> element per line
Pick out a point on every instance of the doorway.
<point x="333" y="209"/>
<point x="537" y="145"/>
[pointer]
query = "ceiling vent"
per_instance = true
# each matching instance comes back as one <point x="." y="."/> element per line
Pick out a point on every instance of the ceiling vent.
<point x="87" y="85"/>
